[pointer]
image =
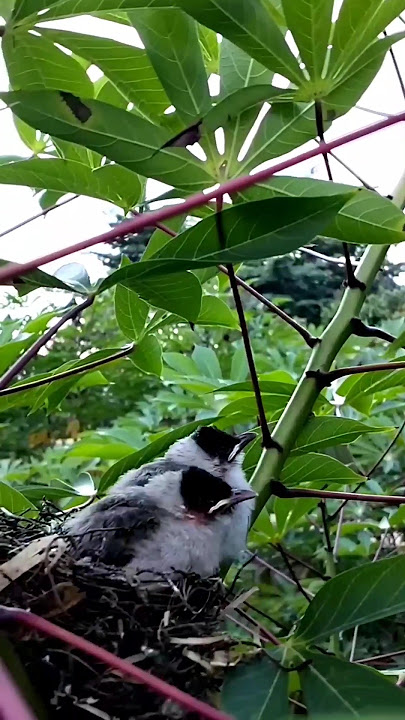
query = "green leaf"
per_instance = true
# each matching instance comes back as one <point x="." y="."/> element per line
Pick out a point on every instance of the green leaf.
<point x="358" y="24"/>
<point x="181" y="363"/>
<point x="75" y="275"/>
<point x="358" y="387"/>
<point x="238" y="70"/>
<point x="148" y="356"/>
<point x="214" y="312"/>
<point x="366" y="218"/>
<point x="256" y="690"/>
<point x="290" y="511"/>
<point x="113" y="183"/>
<point x="315" y="467"/>
<point x="122" y="136"/>
<point x="104" y="450"/>
<point x="160" y="237"/>
<point x="128" y="68"/>
<point x="252" y="231"/>
<point x="131" y="312"/>
<point x="29" y="9"/>
<point x="210" y="48"/>
<point x="9" y="352"/>
<point x="149" y="452"/>
<point x="349" y="88"/>
<point x="286" y="126"/>
<point x="248" y="24"/>
<point x="326" y="431"/>
<point x="239" y="366"/>
<point x="247" y="405"/>
<point x="34" y="63"/>
<point x="343" y="690"/>
<point x="207" y="362"/>
<point x="36" y="279"/>
<point x="171" y="41"/>
<point x="310" y="23"/>
<point x="179" y="293"/>
<point x="12" y="500"/>
<point x="240" y="101"/>
<point x="357" y="596"/>
<point x="29" y="136"/>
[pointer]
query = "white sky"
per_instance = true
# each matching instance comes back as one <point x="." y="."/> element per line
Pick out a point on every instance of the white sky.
<point x="379" y="159"/>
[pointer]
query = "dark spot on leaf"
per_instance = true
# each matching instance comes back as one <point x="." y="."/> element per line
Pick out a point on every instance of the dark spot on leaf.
<point x="77" y="107"/>
<point x="330" y="115"/>
<point x="189" y="136"/>
<point x="389" y="197"/>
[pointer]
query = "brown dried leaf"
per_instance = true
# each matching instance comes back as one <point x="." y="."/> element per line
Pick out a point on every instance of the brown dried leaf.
<point x="29" y="557"/>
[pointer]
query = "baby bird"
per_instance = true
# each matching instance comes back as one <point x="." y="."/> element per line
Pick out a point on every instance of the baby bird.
<point x="187" y="512"/>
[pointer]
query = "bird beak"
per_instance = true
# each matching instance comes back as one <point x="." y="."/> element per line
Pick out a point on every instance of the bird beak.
<point x="244" y="440"/>
<point x="237" y="497"/>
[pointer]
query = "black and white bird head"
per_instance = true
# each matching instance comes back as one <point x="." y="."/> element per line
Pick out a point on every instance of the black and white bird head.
<point x="211" y="449"/>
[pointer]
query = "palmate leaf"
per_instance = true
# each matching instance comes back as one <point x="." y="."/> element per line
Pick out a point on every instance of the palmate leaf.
<point x="171" y="42"/>
<point x="367" y="218"/>
<point x="358" y="25"/>
<point x="357" y="596"/>
<point x="131" y="312"/>
<point x="34" y="63"/>
<point x="123" y="137"/>
<point x="349" y="88"/>
<point x="358" y="389"/>
<point x="28" y="10"/>
<point x="310" y="23"/>
<point x="343" y="690"/>
<point x="238" y="71"/>
<point x="128" y="68"/>
<point x="110" y="182"/>
<point x="252" y="231"/>
<point x="248" y="24"/>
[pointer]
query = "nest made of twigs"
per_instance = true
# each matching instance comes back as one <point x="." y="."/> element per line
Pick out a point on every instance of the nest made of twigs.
<point x="172" y="629"/>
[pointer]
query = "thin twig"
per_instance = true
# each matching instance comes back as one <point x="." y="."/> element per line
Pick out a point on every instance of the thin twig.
<point x="279" y="490"/>
<point x="379" y="113"/>
<point x="351" y="171"/>
<point x="293" y="574"/>
<point x="396" y="66"/>
<point x="374" y="468"/>
<point x="33" y="351"/>
<point x="266" y="634"/>
<point x="274" y="570"/>
<point x="332" y="375"/>
<point x="372" y="659"/>
<point x="38" y="215"/>
<point x="67" y="373"/>
<point x="360" y="329"/>
<point x="134" y="672"/>
<point x="129" y="227"/>
<point x="353" y="645"/>
<point x="338" y="532"/>
<point x="321" y="256"/>
<point x="388" y="448"/>
<point x="266" y="436"/>
<point x="302" y="562"/>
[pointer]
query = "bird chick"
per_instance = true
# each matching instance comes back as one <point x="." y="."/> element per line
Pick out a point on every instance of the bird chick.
<point x="188" y="511"/>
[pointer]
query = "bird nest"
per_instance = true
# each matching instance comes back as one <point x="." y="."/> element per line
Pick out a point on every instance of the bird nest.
<point x="172" y="629"/>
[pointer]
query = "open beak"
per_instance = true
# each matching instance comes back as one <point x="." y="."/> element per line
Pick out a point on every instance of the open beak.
<point x="237" y="497"/>
<point x="244" y="440"/>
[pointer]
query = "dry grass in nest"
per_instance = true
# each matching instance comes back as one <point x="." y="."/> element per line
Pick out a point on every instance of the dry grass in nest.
<point x="171" y="629"/>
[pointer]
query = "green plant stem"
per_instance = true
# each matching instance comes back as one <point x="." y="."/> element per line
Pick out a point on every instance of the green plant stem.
<point x="323" y="355"/>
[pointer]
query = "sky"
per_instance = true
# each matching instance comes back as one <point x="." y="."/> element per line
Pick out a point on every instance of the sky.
<point x="379" y="159"/>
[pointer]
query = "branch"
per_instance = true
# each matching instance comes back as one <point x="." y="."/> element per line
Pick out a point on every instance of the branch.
<point x="326" y="378"/>
<point x="67" y="373"/>
<point x="373" y="112"/>
<point x="155" y="684"/>
<point x="12" y="703"/>
<point x="238" y="184"/>
<point x="33" y="351"/>
<point x="38" y="215"/>
<point x="360" y="329"/>
<point x="266" y="436"/>
<point x="350" y="170"/>
<point x="279" y="490"/>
